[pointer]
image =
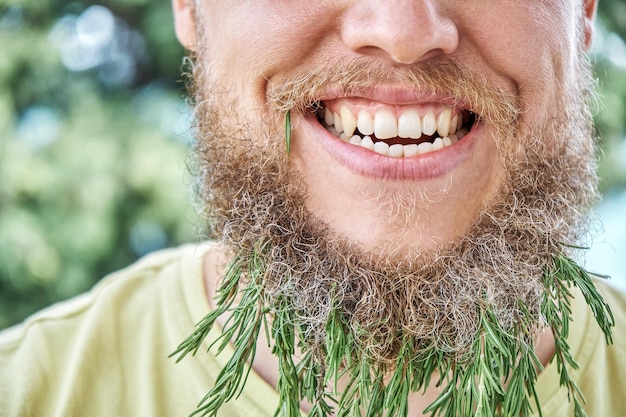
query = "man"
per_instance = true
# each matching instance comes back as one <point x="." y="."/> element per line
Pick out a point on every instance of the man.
<point x="395" y="192"/>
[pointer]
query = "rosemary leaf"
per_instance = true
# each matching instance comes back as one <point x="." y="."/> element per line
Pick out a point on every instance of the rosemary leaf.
<point x="288" y="131"/>
<point x="556" y="308"/>
<point x="284" y="348"/>
<point x="226" y="296"/>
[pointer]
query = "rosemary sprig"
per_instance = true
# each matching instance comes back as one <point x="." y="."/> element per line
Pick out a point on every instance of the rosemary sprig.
<point x="288" y="131"/>
<point x="288" y="386"/>
<point x="557" y="311"/>
<point x="225" y="299"/>
<point x="242" y="327"/>
<point x="312" y="386"/>
<point x="496" y="378"/>
<point x="477" y="386"/>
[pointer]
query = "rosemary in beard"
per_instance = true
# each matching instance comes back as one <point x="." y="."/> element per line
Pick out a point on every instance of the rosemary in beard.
<point x="288" y="131"/>
<point x="496" y="378"/>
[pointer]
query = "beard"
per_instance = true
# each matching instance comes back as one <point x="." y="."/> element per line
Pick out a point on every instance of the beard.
<point x="255" y="203"/>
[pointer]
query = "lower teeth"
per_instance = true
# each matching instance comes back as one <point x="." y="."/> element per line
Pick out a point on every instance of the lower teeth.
<point x="399" y="150"/>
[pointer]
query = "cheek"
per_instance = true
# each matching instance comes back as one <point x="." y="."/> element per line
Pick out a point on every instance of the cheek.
<point x="252" y="41"/>
<point x="532" y="47"/>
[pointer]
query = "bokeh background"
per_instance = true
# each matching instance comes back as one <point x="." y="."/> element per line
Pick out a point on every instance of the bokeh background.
<point x="94" y="136"/>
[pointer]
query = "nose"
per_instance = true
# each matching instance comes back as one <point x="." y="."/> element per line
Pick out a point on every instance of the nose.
<point x="403" y="31"/>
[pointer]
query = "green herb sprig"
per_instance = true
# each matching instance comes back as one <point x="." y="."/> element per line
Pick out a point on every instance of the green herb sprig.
<point x="288" y="131"/>
<point x="497" y="377"/>
<point x="557" y="311"/>
<point x="242" y="326"/>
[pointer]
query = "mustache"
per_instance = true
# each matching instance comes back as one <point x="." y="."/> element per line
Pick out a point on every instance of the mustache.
<point x="300" y="90"/>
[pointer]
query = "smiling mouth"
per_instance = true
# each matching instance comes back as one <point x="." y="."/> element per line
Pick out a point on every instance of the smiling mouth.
<point x="396" y="131"/>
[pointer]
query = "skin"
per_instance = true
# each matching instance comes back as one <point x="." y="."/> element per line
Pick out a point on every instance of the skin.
<point x="526" y="49"/>
<point x="404" y="33"/>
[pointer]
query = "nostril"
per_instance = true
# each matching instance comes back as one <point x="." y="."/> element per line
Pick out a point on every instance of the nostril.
<point x="404" y="32"/>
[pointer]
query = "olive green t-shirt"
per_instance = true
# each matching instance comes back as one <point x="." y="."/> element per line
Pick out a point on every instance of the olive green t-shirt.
<point x="105" y="353"/>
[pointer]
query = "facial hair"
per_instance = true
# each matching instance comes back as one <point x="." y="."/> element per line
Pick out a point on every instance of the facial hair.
<point x="255" y="204"/>
<point x="251" y="195"/>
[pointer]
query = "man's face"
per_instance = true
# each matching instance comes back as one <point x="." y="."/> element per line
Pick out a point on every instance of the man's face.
<point x="404" y="74"/>
<point x="468" y="164"/>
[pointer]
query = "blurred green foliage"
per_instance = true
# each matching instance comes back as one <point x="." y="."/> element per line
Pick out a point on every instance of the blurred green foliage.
<point x="609" y="57"/>
<point x="92" y="166"/>
<point x="93" y="140"/>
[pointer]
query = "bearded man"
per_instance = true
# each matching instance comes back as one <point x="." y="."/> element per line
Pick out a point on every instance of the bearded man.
<point x="395" y="193"/>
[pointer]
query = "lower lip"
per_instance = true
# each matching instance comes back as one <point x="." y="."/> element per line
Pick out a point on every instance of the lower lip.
<point x="373" y="165"/>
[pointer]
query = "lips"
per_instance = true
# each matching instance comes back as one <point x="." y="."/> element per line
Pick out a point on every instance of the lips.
<point x="393" y="135"/>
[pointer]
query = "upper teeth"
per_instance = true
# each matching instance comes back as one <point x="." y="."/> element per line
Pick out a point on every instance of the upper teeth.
<point x="384" y="124"/>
